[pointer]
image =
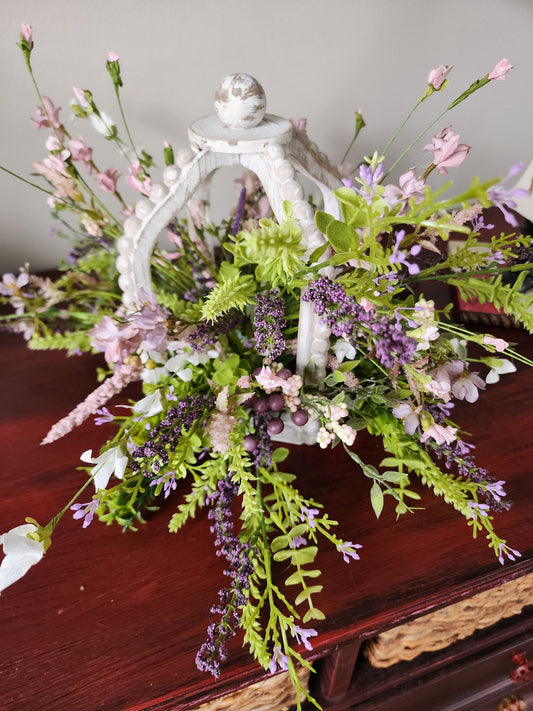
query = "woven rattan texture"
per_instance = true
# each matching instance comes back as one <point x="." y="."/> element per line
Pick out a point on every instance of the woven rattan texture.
<point x="273" y="694"/>
<point x="441" y="628"/>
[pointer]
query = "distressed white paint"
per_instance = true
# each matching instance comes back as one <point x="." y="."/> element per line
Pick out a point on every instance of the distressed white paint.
<point x="240" y="101"/>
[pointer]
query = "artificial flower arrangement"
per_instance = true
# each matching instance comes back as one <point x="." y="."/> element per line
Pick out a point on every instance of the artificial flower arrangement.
<point x="213" y="345"/>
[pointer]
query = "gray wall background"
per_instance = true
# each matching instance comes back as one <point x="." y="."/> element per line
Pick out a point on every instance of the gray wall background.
<point x="319" y="59"/>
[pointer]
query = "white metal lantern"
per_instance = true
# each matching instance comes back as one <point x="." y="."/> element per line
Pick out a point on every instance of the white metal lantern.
<point x="239" y="133"/>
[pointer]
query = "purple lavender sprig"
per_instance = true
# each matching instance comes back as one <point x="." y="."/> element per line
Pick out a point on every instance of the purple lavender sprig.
<point x="207" y="334"/>
<point x="269" y="322"/>
<point x="162" y="439"/>
<point x="238" y="555"/>
<point x="457" y="456"/>
<point x="346" y="317"/>
<point x="236" y="226"/>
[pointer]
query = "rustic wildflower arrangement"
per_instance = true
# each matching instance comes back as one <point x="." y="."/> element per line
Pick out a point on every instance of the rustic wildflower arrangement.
<point x="213" y="345"/>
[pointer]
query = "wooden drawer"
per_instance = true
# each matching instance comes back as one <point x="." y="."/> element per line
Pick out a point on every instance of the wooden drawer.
<point x="471" y="675"/>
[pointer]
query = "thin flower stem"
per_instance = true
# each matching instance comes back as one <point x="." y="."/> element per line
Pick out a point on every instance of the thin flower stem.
<point x="33" y="185"/>
<point x="123" y="116"/>
<point x="465" y="94"/>
<point x="55" y="520"/>
<point x="406" y="119"/>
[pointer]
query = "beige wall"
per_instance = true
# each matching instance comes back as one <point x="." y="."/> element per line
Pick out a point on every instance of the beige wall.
<point x="321" y="59"/>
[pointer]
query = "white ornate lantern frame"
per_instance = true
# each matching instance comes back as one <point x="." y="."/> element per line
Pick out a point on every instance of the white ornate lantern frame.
<point x="279" y="155"/>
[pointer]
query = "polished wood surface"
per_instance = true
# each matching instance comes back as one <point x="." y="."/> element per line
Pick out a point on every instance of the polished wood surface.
<point x="112" y="620"/>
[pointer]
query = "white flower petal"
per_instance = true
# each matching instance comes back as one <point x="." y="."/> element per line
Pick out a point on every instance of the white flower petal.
<point x="185" y="374"/>
<point x="87" y="456"/>
<point x="149" y="405"/>
<point x="121" y="462"/>
<point x="343" y="349"/>
<point x="21" y="553"/>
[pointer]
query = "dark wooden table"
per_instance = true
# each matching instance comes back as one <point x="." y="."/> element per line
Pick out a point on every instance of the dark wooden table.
<point x="112" y="620"/>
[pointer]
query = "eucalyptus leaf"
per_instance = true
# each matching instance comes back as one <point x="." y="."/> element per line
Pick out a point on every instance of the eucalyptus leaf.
<point x="376" y="498"/>
<point x="307" y="593"/>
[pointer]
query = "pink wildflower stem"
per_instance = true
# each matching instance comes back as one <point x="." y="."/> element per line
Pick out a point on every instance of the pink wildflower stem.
<point x="123" y="375"/>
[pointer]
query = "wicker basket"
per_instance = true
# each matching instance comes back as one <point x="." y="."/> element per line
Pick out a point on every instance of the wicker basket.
<point x="273" y="694"/>
<point x="441" y="628"/>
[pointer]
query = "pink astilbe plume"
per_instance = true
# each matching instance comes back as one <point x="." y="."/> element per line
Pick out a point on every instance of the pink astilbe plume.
<point x="123" y="375"/>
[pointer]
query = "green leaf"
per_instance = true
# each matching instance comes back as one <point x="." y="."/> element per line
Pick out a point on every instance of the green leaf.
<point x="280" y="454"/>
<point x="300" y="556"/>
<point x="297" y="577"/>
<point x="279" y="543"/>
<point x="323" y="220"/>
<point x="341" y="236"/>
<point x="314" y="614"/>
<point x="307" y="592"/>
<point x="318" y="252"/>
<point x="376" y="498"/>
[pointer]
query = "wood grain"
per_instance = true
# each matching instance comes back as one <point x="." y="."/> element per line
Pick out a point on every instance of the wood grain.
<point x="112" y="620"/>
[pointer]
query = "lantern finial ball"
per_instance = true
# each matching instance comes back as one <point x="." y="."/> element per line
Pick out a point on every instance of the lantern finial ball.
<point x="240" y="101"/>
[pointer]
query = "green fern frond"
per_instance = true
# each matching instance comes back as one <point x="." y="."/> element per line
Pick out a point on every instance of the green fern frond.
<point x="69" y="341"/>
<point x="235" y="292"/>
<point x="275" y="248"/>
<point x="503" y="296"/>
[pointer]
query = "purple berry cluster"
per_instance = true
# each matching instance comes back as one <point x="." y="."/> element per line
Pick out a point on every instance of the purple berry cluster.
<point x="239" y="555"/>
<point x="268" y="422"/>
<point x="269" y="322"/>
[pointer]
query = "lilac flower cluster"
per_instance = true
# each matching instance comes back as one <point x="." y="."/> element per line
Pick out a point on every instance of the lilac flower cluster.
<point x="393" y="345"/>
<point x="206" y="334"/>
<point x="238" y="554"/>
<point x="269" y="322"/>
<point x="339" y="311"/>
<point x="345" y="317"/>
<point x="163" y="438"/>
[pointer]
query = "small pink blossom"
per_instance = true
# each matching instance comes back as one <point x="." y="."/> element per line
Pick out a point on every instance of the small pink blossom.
<point x="500" y="70"/>
<point x="11" y="284"/>
<point x="448" y="152"/>
<point x="47" y="116"/>
<point x="466" y="387"/>
<point x="244" y="382"/>
<point x="93" y="227"/>
<point x="440" y="434"/>
<point x="410" y="185"/>
<point x="137" y="179"/>
<point x="438" y="76"/>
<point x="498" y="343"/>
<point x="108" y="181"/>
<point x="409" y="415"/>
<point x="81" y="151"/>
<point x="26" y="32"/>
<point x="52" y="144"/>
<point x="112" y="57"/>
<point x="80" y="96"/>
<point x="116" y="340"/>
